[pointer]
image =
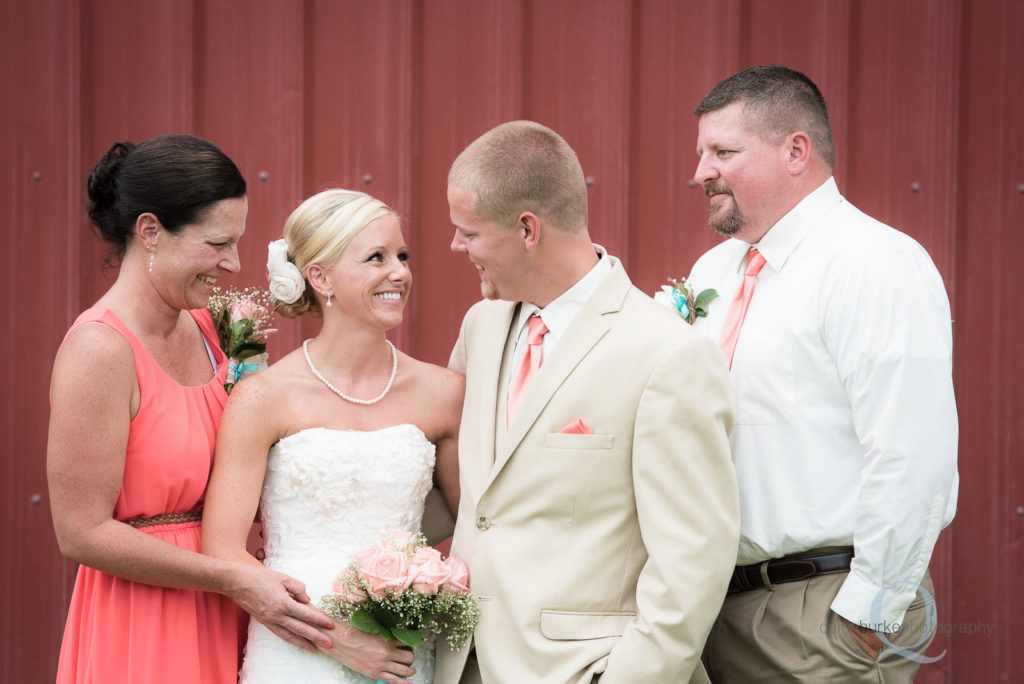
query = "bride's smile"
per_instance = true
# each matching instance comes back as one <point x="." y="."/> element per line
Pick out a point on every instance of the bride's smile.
<point x="371" y="277"/>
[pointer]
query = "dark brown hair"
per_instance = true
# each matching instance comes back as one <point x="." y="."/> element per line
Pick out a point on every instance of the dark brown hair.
<point x="174" y="177"/>
<point x="777" y="101"/>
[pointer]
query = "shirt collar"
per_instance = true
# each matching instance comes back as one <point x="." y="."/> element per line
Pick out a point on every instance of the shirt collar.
<point x="560" y="312"/>
<point x="785" y="236"/>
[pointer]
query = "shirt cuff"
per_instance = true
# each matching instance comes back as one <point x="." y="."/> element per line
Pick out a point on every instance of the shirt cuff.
<point x="864" y="603"/>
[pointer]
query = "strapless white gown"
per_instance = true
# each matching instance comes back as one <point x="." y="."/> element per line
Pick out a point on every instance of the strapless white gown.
<point x="326" y="495"/>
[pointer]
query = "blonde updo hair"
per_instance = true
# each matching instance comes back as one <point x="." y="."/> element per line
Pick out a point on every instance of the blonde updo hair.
<point x="319" y="229"/>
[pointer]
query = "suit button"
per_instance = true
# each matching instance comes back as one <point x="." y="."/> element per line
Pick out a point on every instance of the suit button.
<point x="483" y="524"/>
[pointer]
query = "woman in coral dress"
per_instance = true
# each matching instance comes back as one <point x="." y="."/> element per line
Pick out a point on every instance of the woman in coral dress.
<point x="136" y="395"/>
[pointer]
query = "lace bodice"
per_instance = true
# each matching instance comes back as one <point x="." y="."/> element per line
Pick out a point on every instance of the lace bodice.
<point x="326" y="495"/>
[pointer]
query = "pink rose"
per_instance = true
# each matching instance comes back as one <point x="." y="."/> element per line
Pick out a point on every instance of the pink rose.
<point x="387" y="570"/>
<point x="428" y="571"/>
<point x="365" y="557"/>
<point x="459" y="580"/>
<point x="427" y="553"/>
<point x="356" y="596"/>
<point x="395" y="539"/>
<point x="243" y="308"/>
<point x="340" y="582"/>
<point x="344" y="585"/>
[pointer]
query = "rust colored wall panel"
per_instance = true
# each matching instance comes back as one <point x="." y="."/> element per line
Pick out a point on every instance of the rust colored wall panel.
<point x="468" y="67"/>
<point x="988" y="549"/>
<point x="812" y="37"/>
<point x="136" y="83"/>
<point x="250" y="103"/>
<point x="668" y="228"/>
<point x="40" y="278"/>
<point x="359" y="109"/>
<point x="905" y="114"/>
<point x="577" y="82"/>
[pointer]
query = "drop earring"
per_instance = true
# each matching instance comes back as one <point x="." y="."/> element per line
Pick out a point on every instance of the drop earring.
<point x="152" y="255"/>
<point x="328" y="300"/>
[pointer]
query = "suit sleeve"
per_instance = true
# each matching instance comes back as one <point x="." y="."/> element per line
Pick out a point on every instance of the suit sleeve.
<point x="457" y="361"/>
<point x="688" y="512"/>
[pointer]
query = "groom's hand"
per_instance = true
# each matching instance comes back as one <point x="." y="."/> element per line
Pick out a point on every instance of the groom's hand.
<point x="280" y="603"/>
<point x="372" y="655"/>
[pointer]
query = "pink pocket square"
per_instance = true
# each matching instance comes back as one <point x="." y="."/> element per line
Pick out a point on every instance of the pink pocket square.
<point x="577" y="428"/>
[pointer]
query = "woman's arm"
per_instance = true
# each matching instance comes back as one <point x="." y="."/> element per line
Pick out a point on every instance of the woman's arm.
<point x="93" y="390"/>
<point x="247" y="431"/>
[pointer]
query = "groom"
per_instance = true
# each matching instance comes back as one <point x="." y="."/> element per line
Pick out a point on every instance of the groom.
<point x="599" y="511"/>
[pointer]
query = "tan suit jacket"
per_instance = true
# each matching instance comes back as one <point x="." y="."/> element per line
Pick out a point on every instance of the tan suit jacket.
<point x="604" y="554"/>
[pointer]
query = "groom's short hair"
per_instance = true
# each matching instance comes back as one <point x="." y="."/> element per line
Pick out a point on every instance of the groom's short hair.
<point x="523" y="166"/>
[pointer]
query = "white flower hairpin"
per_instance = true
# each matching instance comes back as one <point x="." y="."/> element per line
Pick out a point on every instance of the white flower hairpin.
<point x="286" y="283"/>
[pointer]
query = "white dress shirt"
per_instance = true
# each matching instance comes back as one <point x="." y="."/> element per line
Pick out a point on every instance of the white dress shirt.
<point x="559" y="314"/>
<point x="847" y="425"/>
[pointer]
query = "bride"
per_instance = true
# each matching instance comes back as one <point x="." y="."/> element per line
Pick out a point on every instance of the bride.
<point x="340" y="440"/>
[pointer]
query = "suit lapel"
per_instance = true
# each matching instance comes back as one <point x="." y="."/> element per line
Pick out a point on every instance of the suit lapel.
<point x="491" y="347"/>
<point x="585" y="331"/>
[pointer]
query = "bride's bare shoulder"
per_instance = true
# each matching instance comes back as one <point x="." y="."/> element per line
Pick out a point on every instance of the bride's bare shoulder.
<point x="274" y="389"/>
<point x="443" y="384"/>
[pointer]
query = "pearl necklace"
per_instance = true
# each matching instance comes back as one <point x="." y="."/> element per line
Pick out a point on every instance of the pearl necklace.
<point x="364" y="402"/>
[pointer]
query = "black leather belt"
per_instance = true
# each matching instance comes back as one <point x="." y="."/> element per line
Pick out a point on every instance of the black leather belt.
<point x="793" y="568"/>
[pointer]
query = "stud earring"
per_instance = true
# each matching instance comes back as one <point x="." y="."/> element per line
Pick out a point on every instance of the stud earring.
<point x="328" y="300"/>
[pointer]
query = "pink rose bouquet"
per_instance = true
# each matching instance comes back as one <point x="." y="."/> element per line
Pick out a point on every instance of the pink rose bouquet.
<point x="243" y="319"/>
<point x="401" y="588"/>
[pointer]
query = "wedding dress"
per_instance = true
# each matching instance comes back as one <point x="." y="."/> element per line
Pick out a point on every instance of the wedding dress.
<point x="326" y="495"/>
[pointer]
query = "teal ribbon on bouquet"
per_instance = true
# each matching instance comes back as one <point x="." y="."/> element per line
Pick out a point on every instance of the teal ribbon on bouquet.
<point x="679" y="301"/>
<point x="236" y="368"/>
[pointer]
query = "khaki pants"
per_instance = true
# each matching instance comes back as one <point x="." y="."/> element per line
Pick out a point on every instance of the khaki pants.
<point x="471" y="673"/>
<point x="790" y="635"/>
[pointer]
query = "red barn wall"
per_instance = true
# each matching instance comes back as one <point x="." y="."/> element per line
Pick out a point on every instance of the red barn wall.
<point x="926" y="98"/>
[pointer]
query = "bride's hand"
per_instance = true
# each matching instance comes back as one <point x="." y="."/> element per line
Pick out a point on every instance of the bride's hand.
<point x="280" y="603"/>
<point x="372" y="655"/>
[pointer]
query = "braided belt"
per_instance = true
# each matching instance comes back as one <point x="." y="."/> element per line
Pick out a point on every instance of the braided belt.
<point x="166" y="519"/>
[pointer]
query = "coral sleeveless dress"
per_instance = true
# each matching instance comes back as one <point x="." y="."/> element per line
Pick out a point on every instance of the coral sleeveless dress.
<point x="122" y="631"/>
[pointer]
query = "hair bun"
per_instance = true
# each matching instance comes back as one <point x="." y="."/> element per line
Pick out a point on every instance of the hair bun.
<point x="102" y="187"/>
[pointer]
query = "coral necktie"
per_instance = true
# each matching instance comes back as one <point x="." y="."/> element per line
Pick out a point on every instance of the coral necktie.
<point x="740" y="304"/>
<point x="528" y="365"/>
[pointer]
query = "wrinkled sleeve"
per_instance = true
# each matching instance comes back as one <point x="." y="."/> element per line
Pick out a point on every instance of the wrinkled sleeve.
<point x="688" y="512"/>
<point x="886" y="322"/>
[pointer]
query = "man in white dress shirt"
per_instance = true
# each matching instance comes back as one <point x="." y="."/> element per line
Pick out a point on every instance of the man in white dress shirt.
<point x="838" y="332"/>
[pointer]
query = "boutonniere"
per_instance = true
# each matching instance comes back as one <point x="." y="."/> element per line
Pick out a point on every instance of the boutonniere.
<point x="680" y="295"/>
<point x="242" y="319"/>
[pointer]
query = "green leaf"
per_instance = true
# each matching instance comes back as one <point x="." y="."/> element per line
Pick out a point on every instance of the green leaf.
<point x="409" y="637"/>
<point x="385" y="617"/>
<point x="365" y="622"/>
<point x="704" y="298"/>
<point x="224" y="330"/>
<point x="241" y="330"/>
<point x="247" y="349"/>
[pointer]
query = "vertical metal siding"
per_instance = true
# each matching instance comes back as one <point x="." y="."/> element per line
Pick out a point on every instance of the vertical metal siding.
<point x="925" y="96"/>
